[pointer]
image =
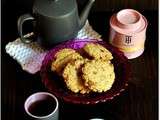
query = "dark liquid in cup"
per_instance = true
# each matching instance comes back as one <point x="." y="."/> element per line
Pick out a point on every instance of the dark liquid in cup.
<point x="42" y="107"/>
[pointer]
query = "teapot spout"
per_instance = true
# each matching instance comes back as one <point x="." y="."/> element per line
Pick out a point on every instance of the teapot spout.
<point x="85" y="12"/>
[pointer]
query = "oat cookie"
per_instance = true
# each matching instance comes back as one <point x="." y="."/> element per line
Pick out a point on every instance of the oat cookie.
<point x="62" y="59"/>
<point x="64" y="52"/>
<point x="61" y="54"/>
<point x="97" y="51"/>
<point x="72" y="77"/>
<point x="98" y="75"/>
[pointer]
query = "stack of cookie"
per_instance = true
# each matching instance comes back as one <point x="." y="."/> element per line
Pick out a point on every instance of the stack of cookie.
<point x="87" y="70"/>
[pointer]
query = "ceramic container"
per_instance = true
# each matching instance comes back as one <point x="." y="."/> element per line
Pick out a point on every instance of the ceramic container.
<point x="54" y="21"/>
<point x="128" y="32"/>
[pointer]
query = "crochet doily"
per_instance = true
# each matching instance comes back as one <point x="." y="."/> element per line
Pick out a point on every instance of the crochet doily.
<point x="30" y="56"/>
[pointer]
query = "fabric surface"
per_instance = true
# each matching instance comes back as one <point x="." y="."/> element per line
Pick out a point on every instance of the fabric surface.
<point x="30" y="56"/>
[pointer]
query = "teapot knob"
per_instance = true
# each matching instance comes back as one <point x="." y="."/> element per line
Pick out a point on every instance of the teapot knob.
<point x="53" y="0"/>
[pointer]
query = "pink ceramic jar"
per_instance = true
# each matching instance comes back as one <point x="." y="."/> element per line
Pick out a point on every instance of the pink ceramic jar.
<point x="128" y="32"/>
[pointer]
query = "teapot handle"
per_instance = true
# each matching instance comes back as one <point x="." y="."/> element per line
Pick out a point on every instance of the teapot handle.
<point x="20" y="22"/>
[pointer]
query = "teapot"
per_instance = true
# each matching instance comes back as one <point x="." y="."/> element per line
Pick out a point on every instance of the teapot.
<point x="55" y="21"/>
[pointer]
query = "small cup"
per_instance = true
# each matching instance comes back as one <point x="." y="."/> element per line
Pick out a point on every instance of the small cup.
<point x="42" y="106"/>
<point x="128" y="32"/>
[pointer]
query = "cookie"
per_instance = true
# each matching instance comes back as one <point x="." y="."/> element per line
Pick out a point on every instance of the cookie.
<point x="62" y="59"/>
<point x="97" y="51"/>
<point x="64" y="52"/>
<point x="98" y="75"/>
<point x="61" y="54"/>
<point x="72" y="77"/>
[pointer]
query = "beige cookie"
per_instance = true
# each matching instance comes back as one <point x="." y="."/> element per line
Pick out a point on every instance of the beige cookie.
<point x="72" y="77"/>
<point x="64" y="52"/>
<point x="61" y="54"/>
<point x="98" y="75"/>
<point x="62" y="59"/>
<point x="97" y="51"/>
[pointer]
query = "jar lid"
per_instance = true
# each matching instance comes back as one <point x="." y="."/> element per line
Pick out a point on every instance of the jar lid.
<point x="128" y="21"/>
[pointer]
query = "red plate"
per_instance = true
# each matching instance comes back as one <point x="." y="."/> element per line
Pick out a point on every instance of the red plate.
<point x="56" y="86"/>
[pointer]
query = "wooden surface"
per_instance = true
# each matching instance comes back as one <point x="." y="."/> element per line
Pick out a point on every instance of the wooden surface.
<point x="138" y="102"/>
<point x="108" y="5"/>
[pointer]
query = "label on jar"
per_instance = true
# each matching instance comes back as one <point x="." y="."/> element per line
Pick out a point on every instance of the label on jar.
<point x="127" y="43"/>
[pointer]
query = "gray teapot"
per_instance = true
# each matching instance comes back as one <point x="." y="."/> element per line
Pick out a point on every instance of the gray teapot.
<point x="55" y="21"/>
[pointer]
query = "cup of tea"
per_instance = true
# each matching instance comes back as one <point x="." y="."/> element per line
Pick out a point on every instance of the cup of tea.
<point x="42" y="106"/>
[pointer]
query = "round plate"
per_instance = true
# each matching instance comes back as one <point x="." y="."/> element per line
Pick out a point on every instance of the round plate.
<point x="56" y="86"/>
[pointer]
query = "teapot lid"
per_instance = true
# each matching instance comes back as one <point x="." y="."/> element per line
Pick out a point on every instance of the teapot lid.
<point x="54" y="8"/>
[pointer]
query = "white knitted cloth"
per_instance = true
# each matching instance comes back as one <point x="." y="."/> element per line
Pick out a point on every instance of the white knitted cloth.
<point x="30" y="56"/>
